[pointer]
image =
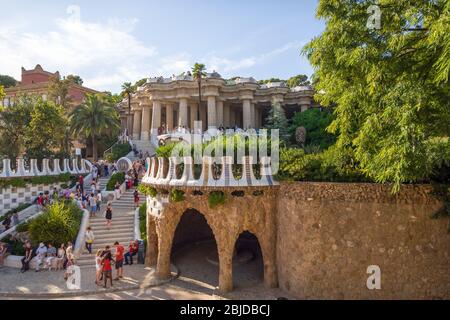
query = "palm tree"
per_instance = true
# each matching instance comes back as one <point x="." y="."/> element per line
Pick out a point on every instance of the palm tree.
<point x="96" y="116"/>
<point x="127" y="90"/>
<point x="198" y="71"/>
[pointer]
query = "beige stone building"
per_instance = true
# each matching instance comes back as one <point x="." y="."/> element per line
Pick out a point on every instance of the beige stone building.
<point x="166" y="103"/>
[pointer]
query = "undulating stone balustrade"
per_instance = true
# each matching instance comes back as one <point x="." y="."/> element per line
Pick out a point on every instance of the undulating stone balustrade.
<point x="69" y="166"/>
<point x="158" y="174"/>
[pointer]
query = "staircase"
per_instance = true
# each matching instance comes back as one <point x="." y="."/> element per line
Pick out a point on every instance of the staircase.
<point x="122" y="229"/>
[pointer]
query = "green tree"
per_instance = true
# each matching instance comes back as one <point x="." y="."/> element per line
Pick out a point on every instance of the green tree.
<point x="315" y="122"/>
<point x="44" y="134"/>
<point x="390" y="85"/>
<point x="298" y="80"/>
<point x="14" y="121"/>
<point x="75" y="79"/>
<point x="276" y="119"/>
<point x="7" y="81"/>
<point x="127" y="91"/>
<point x="94" y="118"/>
<point x="2" y="95"/>
<point x="58" y="91"/>
<point x="198" y="72"/>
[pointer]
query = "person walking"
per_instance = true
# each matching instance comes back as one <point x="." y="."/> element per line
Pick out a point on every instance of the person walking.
<point x="81" y="181"/>
<point x="120" y="250"/>
<point x="136" y="198"/>
<point x="108" y="216"/>
<point x="89" y="239"/>
<point x="98" y="266"/>
<point x="93" y="205"/>
<point x="99" y="201"/>
<point x="107" y="260"/>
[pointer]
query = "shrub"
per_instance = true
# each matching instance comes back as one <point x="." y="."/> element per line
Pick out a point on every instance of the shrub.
<point x="176" y="195"/>
<point x="23" y="227"/>
<point x="118" y="151"/>
<point x="147" y="190"/>
<point x="117" y="177"/>
<point x="216" y="198"/>
<point x="143" y="220"/>
<point x="329" y="165"/>
<point x="23" y="182"/>
<point x="58" y="224"/>
<point x="315" y="122"/>
<point x="15" y="245"/>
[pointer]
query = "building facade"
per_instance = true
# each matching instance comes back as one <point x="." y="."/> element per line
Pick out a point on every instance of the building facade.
<point x="36" y="82"/>
<point x="163" y="104"/>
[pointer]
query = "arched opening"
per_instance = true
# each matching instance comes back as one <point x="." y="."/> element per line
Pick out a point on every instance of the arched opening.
<point x="248" y="263"/>
<point x="194" y="251"/>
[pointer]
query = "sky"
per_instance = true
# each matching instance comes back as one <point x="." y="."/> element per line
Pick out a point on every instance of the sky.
<point x="109" y="42"/>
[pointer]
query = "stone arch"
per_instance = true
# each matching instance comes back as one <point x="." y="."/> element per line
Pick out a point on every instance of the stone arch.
<point x="266" y="241"/>
<point x="247" y="249"/>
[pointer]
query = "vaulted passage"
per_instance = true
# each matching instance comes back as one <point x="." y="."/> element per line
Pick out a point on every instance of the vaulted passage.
<point x="194" y="251"/>
<point x="248" y="265"/>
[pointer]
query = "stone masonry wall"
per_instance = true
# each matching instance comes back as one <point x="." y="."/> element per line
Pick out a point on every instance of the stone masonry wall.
<point x="329" y="233"/>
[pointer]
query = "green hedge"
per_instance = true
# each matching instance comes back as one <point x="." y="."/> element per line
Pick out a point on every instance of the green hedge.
<point x="147" y="190"/>
<point x="23" y="182"/>
<point x="119" y="176"/>
<point x="118" y="151"/>
<point x="59" y="223"/>
<point x="143" y="220"/>
<point x="176" y="195"/>
<point x="329" y="165"/>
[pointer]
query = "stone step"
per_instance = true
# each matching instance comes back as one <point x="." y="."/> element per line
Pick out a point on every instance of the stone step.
<point x="128" y="233"/>
<point x="120" y="224"/>
<point x="100" y="231"/>
<point x="100" y="243"/>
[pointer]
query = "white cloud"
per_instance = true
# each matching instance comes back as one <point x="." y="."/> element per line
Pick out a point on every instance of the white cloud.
<point x="109" y="49"/>
<point x="106" y="53"/>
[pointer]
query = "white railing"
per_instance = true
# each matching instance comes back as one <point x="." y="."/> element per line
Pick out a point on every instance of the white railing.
<point x="32" y="170"/>
<point x="155" y="174"/>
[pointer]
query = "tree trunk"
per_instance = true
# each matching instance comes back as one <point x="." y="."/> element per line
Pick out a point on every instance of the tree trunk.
<point x="94" y="148"/>
<point x="129" y="116"/>
<point x="199" y="97"/>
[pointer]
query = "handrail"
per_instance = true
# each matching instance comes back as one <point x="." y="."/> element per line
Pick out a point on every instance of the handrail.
<point x="123" y="137"/>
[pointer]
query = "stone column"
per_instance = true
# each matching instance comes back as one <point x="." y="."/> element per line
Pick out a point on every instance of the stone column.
<point x="246" y="114"/>
<point x="219" y="111"/>
<point x="226" y="115"/>
<point x="151" y="256"/>
<point x="156" y="117"/>
<point x="183" y="112"/>
<point x="212" y="119"/>
<point x="145" y="131"/>
<point x="169" y="117"/>
<point x="253" y="116"/>
<point x="194" y="110"/>
<point x="137" y="118"/>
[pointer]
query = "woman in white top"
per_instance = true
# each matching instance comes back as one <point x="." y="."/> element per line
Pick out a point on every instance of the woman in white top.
<point x="98" y="266"/>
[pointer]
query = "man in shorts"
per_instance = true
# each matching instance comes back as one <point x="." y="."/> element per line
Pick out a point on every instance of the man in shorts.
<point x="119" y="260"/>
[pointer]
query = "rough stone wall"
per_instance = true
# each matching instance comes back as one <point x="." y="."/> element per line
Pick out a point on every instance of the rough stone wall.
<point x="227" y="222"/>
<point x="329" y="233"/>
